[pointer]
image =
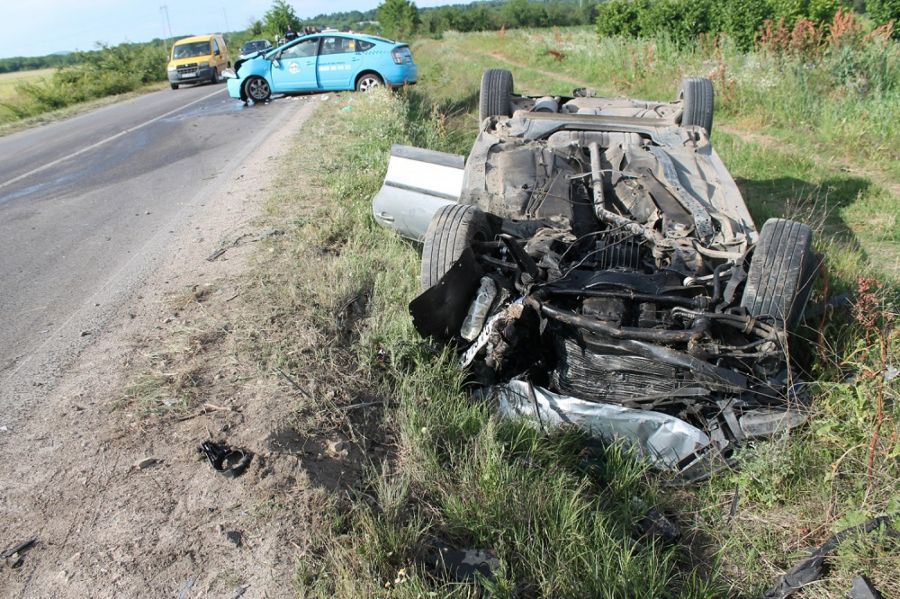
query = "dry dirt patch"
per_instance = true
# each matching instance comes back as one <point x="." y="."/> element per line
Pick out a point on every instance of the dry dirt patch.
<point x="105" y="474"/>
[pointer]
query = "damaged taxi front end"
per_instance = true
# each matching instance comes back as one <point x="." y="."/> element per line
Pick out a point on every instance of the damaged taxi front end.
<point x="596" y="265"/>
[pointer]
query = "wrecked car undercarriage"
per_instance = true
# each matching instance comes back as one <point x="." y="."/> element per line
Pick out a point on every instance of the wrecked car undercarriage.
<point x="596" y="265"/>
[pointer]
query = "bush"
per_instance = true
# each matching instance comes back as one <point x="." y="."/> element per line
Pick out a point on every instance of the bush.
<point x="620" y="17"/>
<point x="883" y="12"/>
<point x="685" y="20"/>
<point x="110" y="71"/>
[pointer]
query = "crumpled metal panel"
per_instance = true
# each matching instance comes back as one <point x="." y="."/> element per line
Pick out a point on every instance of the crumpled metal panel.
<point x="665" y="440"/>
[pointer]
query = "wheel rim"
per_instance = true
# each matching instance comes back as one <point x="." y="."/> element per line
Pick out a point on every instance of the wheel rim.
<point x="258" y="89"/>
<point x="368" y="82"/>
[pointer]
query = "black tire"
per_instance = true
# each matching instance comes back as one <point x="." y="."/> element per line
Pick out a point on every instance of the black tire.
<point x="699" y="99"/>
<point x="452" y="229"/>
<point x="496" y="93"/>
<point x="174" y="85"/>
<point x="782" y="273"/>
<point x="215" y="77"/>
<point x="257" y="89"/>
<point x="369" y="81"/>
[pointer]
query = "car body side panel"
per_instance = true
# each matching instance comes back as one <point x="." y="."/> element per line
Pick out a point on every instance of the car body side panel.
<point x="729" y="201"/>
<point x="397" y="74"/>
<point x="338" y="62"/>
<point x="417" y="184"/>
<point x="294" y="75"/>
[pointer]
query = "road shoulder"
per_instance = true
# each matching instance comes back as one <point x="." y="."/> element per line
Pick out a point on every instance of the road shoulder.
<point x="123" y="505"/>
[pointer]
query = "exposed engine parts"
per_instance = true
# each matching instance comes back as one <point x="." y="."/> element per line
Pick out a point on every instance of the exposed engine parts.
<point x="598" y="251"/>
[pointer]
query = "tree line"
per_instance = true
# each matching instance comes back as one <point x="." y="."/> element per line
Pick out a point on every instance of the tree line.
<point x="400" y="19"/>
<point x="33" y="63"/>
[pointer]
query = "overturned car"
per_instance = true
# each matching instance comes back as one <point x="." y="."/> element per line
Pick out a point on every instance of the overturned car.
<point x="596" y="265"/>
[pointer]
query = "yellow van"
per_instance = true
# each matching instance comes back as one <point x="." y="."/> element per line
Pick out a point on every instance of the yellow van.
<point x="198" y="58"/>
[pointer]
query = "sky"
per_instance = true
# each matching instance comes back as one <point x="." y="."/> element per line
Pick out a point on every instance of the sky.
<point x="40" y="27"/>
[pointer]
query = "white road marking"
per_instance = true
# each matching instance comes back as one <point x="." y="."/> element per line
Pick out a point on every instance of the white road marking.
<point x="108" y="139"/>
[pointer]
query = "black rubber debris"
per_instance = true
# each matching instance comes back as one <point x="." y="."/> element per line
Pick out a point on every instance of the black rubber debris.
<point x="13" y="555"/>
<point x="17" y="548"/>
<point x="658" y="527"/>
<point x="235" y="537"/>
<point x="227" y="460"/>
<point x="810" y="569"/>
<point x="462" y="565"/>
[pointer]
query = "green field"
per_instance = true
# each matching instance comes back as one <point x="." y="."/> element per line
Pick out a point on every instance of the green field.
<point x="8" y="82"/>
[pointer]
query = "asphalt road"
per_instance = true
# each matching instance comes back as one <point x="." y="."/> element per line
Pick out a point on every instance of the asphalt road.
<point x="85" y="208"/>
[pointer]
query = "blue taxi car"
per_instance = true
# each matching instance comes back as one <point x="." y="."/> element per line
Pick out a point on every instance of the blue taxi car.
<point x="322" y="62"/>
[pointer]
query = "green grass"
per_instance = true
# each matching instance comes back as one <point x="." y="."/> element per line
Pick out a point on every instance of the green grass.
<point x="10" y="124"/>
<point x="109" y="71"/>
<point x="854" y="212"/>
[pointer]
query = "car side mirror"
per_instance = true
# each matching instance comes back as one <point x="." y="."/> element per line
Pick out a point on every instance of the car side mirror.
<point x="276" y="63"/>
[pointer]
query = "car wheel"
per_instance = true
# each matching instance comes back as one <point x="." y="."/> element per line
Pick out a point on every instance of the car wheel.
<point x="215" y="77"/>
<point x="782" y="273"/>
<point x="257" y="89"/>
<point x="699" y="97"/>
<point x="174" y="85"/>
<point x="369" y="81"/>
<point x="453" y="228"/>
<point x="496" y="93"/>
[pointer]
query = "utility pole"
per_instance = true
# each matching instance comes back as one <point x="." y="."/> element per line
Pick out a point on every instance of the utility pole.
<point x="164" y="10"/>
<point x="165" y="37"/>
<point x="226" y="20"/>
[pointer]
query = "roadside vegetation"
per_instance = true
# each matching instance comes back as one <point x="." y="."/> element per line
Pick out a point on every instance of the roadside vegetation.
<point x="110" y="71"/>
